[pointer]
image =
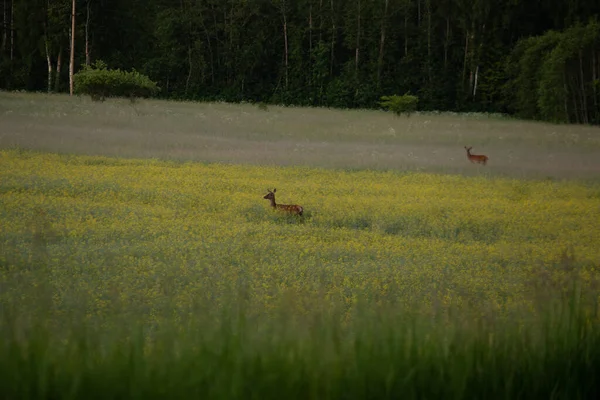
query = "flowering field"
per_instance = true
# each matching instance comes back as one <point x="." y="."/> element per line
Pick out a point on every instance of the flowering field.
<point x="113" y="245"/>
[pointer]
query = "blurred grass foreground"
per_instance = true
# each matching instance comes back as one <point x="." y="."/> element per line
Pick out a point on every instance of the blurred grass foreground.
<point x="148" y="279"/>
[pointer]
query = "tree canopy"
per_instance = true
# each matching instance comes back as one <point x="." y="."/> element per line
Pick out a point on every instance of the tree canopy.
<point x="536" y="59"/>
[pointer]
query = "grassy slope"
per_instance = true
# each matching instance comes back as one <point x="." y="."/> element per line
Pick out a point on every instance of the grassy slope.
<point x="395" y="283"/>
<point x="243" y="134"/>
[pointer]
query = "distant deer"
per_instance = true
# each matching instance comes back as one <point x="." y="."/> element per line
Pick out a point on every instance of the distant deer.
<point x="474" y="158"/>
<point x="290" y="208"/>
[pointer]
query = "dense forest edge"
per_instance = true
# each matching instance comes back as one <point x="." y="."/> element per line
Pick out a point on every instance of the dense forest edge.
<point x="535" y="60"/>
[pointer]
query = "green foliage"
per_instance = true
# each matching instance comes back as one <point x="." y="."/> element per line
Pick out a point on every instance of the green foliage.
<point x="561" y="93"/>
<point x="100" y="82"/>
<point x="239" y="50"/>
<point x="552" y="93"/>
<point x="406" y="104"/>
<point x="340" y="93"/>
<point x="524" y="70"/>
<point x="236" y="357"/>
<point x="548" y="77"/>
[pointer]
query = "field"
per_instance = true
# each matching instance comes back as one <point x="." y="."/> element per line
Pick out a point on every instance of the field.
<point x="243" y="134"/>
<point x="139" y="259"/>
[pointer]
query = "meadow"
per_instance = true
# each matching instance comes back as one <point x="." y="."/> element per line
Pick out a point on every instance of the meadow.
<point x="243" y="134"/>
<point x="129" y="268"/>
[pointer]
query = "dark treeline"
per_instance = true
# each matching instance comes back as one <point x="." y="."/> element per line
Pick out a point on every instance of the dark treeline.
<point x="536" y="59"/>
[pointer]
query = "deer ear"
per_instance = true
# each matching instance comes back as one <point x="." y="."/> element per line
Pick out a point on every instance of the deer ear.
<point x="274" y="190"/>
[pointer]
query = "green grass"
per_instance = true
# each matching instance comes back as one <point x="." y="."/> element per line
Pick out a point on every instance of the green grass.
<point x="147" y="278"/>
<point x="285" y="136"/>
<point x="378" y="356"/>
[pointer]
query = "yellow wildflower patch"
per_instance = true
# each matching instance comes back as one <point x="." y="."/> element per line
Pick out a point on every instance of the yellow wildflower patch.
<point x="156" y="237"/>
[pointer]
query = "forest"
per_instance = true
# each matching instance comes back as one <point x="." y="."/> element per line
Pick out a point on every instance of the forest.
<point x="536" y="59"/>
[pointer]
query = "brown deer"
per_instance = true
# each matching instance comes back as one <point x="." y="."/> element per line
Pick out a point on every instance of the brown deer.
<point x="290" y="208"/>
<point x="474" y="158"/>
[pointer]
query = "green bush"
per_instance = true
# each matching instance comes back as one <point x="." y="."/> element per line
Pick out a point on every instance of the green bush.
<point x="100" y="82"/>
<point x="406" y="104"/>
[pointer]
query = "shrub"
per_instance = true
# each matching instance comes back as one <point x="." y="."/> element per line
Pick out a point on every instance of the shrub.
<point x="405" y="104"/>
<point x="100" y="82"/>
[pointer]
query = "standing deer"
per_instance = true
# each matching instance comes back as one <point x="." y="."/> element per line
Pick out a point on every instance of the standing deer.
<point x="290" y="208"/>
<point x="474" y="158"/>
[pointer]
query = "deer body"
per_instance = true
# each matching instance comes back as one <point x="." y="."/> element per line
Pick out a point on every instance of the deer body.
<point x="289" y="208"/>
<point x="474" y="158"/>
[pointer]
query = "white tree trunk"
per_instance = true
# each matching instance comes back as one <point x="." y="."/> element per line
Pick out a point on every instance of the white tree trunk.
<point x="12" y="29"/>
<point x="285" y="40"/>
<point x="320" y="20"/>
<point x="447" y="42"/>
<point x="333" y="37"/>
<point x="87" y="33"/>
<point x="49" y="61"/>
<point x="310" y="45"/>
<point x="190" y="67"/>
<point x="356" y="55"/>
<point x="382" y="42"/>
<point x="405" y="35"/>
<point x="465" y="58"/>
<point x="4" y="25"/>
<point x="58" y="68"/>
<point x="72" y="55"/>
<point x="475" y="81"/>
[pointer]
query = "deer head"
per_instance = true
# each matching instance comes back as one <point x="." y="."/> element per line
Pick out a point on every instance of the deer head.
<point x="270" y="195"/>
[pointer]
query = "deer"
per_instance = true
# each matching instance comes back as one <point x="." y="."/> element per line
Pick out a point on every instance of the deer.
<point x="474" y="158"/>
<point x="290" y="208"/>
